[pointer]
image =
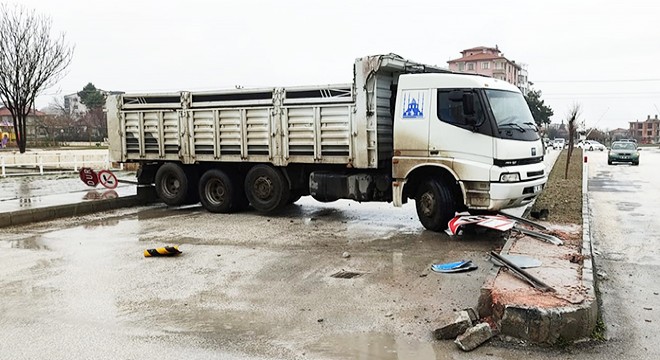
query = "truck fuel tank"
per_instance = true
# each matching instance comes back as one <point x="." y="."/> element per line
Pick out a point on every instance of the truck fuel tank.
<point x="328" y="186"/>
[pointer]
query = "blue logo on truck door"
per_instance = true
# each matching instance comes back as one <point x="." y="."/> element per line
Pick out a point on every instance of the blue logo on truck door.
<point x="413" y="105"/>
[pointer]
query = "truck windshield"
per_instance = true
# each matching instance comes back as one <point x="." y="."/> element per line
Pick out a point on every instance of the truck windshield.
<point x="510" y="110"/>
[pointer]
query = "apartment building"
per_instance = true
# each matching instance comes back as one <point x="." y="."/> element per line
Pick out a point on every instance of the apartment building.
<point x="74" y="106"/>
<point x="646" y="132"/>
<point x="491" y="62"/>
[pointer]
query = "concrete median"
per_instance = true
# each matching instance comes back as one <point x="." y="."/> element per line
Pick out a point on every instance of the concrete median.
<point x="569" y="313"/>
<point x="144" y="196"/>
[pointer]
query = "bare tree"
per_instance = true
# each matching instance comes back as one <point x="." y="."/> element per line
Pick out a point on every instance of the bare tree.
<point x="54" y="125"/>
<point x="96" y="124"/>
<point x="573" y="115"/>
<point x="31" y="60"/>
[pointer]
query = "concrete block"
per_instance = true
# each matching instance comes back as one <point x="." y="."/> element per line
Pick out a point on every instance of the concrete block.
<point x="147" y="194"/>
<point x="474" y="337"/>
<point x="21" y="217"/>
<point x="453" y="325"/>
<point x="5" y="220"/>
<point x="65" y="210"/>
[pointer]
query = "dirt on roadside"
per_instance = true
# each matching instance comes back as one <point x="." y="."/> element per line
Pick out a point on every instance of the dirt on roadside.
<point x="562" y="197"/>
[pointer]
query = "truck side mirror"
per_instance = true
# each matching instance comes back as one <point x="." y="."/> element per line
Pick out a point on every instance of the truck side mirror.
<point x="468" y="104"/>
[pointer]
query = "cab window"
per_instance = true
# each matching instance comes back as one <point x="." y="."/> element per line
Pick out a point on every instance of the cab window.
<point x="450" y="107"/>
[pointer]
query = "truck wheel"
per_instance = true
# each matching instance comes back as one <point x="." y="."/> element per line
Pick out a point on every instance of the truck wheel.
<point x="216" y="192"/>
<point x="172" y="185"/>
<point x="293" y="197"/>
<point x="435" y="205"/>
<point x="324" y="199"/>
<point x="266" y="188"/>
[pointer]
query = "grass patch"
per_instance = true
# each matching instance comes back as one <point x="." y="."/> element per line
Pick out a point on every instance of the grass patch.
<point x="598" y="333"/>
<point x="563" y="197"/>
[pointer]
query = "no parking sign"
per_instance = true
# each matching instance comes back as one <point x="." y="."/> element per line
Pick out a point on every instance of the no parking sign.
<point x="108" y="179"/>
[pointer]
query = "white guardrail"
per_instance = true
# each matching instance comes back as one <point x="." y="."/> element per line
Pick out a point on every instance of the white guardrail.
<point x="52" y="162"/>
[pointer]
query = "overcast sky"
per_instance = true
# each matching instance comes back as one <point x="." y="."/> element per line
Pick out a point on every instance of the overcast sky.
<point x="604" y="55"/>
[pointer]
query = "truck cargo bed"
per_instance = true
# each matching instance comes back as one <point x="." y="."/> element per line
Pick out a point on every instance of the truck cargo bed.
<point x="348" y="124"/>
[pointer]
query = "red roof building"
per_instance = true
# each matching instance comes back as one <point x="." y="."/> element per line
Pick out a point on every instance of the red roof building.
<point x="491" y="62"/>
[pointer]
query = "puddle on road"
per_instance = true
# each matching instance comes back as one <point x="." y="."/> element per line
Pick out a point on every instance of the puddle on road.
<point x="29" y="243"/>
<point x="627" y="206"/>
<point x="373" y="346"/>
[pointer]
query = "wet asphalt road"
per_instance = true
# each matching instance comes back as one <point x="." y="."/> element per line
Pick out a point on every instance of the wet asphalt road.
<point x="255" y="287"/>
<point x="625" y="211"/>
<point x="246" y="286"/>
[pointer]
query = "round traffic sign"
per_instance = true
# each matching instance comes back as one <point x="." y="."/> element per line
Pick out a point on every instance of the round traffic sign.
<point x="88" y="176"/>
<point x="108" y="179"/>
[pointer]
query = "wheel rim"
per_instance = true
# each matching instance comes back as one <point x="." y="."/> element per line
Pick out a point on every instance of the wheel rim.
<point x="263" y="188"/>
<point x="216" y="192"/>
<point x="427" y="204"/>
<point x="171" y="186"/>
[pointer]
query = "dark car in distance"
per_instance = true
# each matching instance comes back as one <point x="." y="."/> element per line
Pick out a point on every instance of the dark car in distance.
<point x="623" y="151"/>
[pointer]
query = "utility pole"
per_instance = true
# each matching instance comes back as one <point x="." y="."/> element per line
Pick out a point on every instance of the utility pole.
<point x="597" y="121"/>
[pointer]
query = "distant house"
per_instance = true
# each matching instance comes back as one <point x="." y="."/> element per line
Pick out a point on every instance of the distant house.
<point x="646" y="132"/>
<point x="74" y="106"/>
<point x="7" y="123"/>
<point x="557" y="131"/>
<point x="618" y="134"/>
<point x="491" y="62"/>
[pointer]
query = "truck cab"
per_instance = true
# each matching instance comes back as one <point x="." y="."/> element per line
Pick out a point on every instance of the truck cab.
<point x="463" y="142"/>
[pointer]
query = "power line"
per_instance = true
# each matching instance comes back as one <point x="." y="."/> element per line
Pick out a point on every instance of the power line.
<point x="604" y="93"/>
<point x="595" y="81"/>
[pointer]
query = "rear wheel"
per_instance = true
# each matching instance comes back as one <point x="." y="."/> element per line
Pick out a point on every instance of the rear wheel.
<point x="217" y="192"/>
<point x="293" y="197"/>
<point x="266" y="188"/>
<point x="172" y="184"/>
<point x="435" y="205"/>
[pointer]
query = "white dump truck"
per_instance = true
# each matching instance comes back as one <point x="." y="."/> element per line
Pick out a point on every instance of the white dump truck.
<point x="402" y="130"/>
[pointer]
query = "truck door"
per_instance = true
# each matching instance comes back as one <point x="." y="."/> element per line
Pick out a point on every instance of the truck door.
<point x="461" y="133"/>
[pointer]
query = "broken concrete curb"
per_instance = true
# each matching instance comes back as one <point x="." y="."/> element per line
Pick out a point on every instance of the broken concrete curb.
<point x="474" y="337"/>
<point x="551" y="324"/>
<point x="453" y="325"/>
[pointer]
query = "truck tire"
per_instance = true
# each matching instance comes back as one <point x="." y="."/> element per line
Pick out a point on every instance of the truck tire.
<point x="435" y="205"/>
<point x="293" y="197"/>
<point x="217" y="192"/>
<point x="173" y="185"/>
<point x="266" y="188"/>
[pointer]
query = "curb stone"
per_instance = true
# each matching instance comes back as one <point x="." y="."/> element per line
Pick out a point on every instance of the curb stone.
<point x="548" y="325"/>
<point x="26" y="216"/>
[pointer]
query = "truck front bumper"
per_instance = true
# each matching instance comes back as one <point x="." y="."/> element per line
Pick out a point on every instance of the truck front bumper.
<point x="508" y="195"/>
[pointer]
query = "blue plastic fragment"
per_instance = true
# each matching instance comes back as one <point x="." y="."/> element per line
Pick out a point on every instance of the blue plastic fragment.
<point x="457" y="266"/>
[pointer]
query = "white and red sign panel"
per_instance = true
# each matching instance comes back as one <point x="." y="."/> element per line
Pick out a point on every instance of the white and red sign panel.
<point x="88" y="176"/>
<point x="108" y="179"/>
<point x="495" y="222"/>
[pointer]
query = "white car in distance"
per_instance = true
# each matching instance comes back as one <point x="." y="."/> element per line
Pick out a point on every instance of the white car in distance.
<point x="558" y="143"/>
<point x="591" y="145"/>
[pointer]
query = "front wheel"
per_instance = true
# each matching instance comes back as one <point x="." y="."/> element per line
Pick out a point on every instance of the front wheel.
<point x="435" y="205"/>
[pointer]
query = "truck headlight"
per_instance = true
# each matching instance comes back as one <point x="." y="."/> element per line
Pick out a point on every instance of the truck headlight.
<point x="510" y="177"/>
